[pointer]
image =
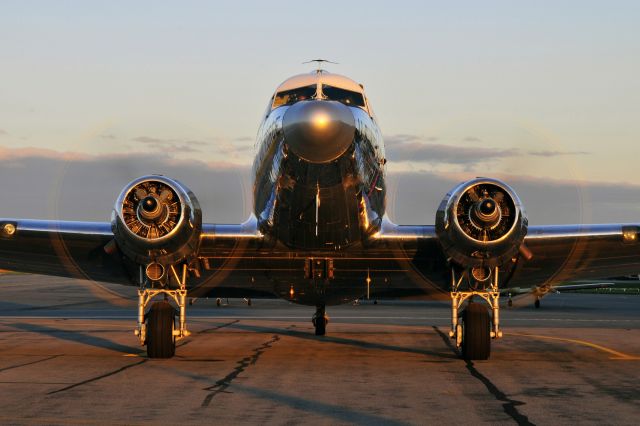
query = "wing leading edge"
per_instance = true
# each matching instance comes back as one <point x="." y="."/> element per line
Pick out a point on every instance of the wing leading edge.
<point x="60" y="248"/>
<point x="570" y="252"/>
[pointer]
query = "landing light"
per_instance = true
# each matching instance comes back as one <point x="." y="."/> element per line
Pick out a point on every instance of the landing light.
<point x="9" y="229"/>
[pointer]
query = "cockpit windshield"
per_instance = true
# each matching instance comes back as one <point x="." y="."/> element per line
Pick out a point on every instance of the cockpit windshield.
<point x="344" y="96"/>
<point x="289" y="97"/>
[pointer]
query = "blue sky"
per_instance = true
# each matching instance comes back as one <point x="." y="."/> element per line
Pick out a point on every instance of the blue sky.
<point x="526" y="89"/>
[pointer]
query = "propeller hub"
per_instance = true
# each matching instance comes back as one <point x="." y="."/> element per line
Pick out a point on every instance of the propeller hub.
<point x="487" y="207"/>
<point x="486" y="213"/>
<point x="150" y="208"/>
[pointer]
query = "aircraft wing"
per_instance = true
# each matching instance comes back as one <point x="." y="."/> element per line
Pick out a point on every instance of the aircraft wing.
<point x="561" y="253"/>
<point x="81" y="249"/>
<point x="582" y="286"/>
<point x="85" y="250"/>
<point x="544" y="290"/>
<point x="569" y="252"/>
<point x="60" y="248"/>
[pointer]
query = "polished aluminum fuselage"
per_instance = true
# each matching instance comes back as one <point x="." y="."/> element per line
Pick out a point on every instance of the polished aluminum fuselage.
<point x="313" y="206"/>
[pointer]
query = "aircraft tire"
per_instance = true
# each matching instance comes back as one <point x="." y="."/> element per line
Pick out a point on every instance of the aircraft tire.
<point x="160" y="341"/>
<point x="321" y="327"/>
<point x="476" y="337"/>
<point x="537" y="303"/>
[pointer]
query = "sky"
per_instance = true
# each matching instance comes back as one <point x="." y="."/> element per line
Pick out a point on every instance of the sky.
<point x="544" y="95"/>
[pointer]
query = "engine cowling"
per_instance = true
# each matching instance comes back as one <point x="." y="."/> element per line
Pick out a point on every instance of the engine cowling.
<point x="157" y="221"/>
<point x="481" y="223"/>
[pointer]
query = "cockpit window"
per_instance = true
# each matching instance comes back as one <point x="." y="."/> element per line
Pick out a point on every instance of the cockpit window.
<point x="347" y="97"/>
<point x="289" y="97"/>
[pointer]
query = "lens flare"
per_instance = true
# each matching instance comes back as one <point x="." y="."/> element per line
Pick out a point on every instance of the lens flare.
<point x="320" y="120"/>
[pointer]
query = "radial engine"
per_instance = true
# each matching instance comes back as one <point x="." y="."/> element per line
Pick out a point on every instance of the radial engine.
<point x="156" y="223"/>
<point x="481" y="225"/>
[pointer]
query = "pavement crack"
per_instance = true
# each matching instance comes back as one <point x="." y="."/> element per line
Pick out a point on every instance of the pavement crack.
<point x="218" y="327"/>
<point x="95" y="379"/>
<point x="510" y="406"/>
<point x="29" y="363"/>
<point x="222" y="384"/>
<point x="207" y="330"/>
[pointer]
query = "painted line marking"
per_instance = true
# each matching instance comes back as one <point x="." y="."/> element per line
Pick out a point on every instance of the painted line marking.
<point x="616" y="355"/>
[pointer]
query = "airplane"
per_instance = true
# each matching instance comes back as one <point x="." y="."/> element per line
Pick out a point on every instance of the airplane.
<point x="538" y="292"/>
<point x="317" y="231"/>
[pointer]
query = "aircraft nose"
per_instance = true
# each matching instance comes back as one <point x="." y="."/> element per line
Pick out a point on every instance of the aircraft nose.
<point x="318" y="131"/>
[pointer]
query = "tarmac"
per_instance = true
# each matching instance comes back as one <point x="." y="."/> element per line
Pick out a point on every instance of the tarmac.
<point x="68" y="356"/>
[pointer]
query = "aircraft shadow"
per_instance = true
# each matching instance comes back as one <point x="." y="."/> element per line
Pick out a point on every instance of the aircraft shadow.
<point x="339" y="413"/>
<point x="75" y="336"/>
<point x="342" y="341"/>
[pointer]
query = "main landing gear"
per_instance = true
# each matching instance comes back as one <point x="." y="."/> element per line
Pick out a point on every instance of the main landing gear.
<point x="320" y="320"/>
<point x="474" y="328"/>
<point x="157" y="328"/>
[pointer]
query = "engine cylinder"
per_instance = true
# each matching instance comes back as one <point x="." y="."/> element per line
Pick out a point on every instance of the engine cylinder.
<point x="481" y="223"/>
<point x="157" y="220"/>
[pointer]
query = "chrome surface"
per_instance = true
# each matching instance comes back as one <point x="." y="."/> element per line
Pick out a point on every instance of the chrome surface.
<point x="391" y="231"/>
<point x="154" y="271"/>
<point x="481" y="223"/>
<point x="59" y="226"/>
<point x="157" y="219"/>
<point x="247" y="229"/>
<point x="318" y="131"/>
<point x="574" y="231"/>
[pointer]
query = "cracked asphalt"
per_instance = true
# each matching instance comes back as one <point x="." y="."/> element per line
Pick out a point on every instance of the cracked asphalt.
<point x="68" y="356"/>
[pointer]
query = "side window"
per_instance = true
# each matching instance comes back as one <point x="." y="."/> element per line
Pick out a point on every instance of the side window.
<point x="289" y="97"/>
<point x="347" y="97"/>
<point x="268" y="109"/>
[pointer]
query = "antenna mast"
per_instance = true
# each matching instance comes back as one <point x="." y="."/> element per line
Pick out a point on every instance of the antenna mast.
<point x="319" y="69"/>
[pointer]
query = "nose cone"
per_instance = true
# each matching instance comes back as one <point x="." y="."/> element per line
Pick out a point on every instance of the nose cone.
<point x="318" y="131"/>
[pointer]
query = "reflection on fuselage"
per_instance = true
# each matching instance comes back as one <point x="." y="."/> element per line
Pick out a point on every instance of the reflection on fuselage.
<point x="311" y="189"/>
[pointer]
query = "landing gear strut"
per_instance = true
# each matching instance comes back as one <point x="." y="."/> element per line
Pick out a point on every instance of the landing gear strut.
<point x="320" y="320"/>
<point x="157" y="328"/>
<point x="474" y="328"/>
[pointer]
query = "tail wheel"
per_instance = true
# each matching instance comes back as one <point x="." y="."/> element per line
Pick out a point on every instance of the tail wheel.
<point x="160" y="322"/>
<point x="321" y="326"/>
<point x="476" y="338"/>
<point x="320" y="320"/>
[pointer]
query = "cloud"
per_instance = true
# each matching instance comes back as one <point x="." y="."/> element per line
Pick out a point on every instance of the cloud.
<point x="412" y="148"/>
<point x="171" y="145"/>
<point x="47" y="184"/>
<point x="415" y="196"/>
<point x="556" y="153"/>
<point x="472" y="139"/>
<point x="242" y="139"/>
<point x="8" y="154"/>
<point x="3" y="133"/>
<point x="108" y="136"/>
